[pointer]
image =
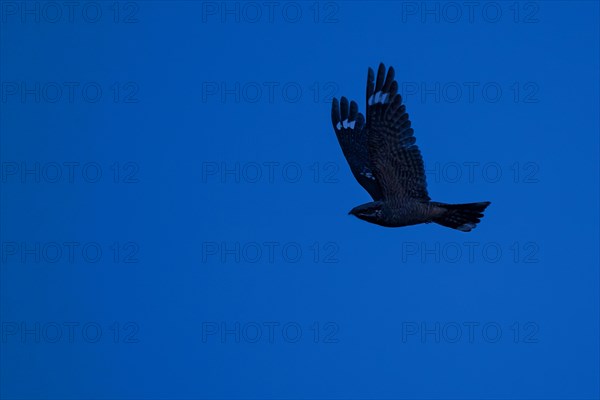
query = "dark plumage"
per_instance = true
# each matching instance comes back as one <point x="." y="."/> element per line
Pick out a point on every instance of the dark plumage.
<point x="385" y="160"/>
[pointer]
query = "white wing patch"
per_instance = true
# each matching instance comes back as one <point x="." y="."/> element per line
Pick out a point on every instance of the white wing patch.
<point x="378" y="98"/>
<point x="466" y="227"/>
<point x="346" y="124"/>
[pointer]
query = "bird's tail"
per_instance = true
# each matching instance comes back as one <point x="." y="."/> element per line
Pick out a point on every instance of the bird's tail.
<point x="463" y="217"/>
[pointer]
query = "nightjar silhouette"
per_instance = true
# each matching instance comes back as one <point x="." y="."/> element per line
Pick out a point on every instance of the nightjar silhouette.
<point x="385" y="160"/>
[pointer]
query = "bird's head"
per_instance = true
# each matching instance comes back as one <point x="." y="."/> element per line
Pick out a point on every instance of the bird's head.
<point x="370" y="212"/>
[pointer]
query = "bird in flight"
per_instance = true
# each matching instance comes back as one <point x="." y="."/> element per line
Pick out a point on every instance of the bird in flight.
<point x="385" y="160"/>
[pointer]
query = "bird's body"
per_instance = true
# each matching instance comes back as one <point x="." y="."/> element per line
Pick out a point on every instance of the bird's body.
<point x="385" y="160"/>
<point x="397" y="212"/>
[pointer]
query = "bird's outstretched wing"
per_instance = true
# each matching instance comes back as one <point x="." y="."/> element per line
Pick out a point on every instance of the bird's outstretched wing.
<point x="348" y="124"/>
<point x="395" y="158"/>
